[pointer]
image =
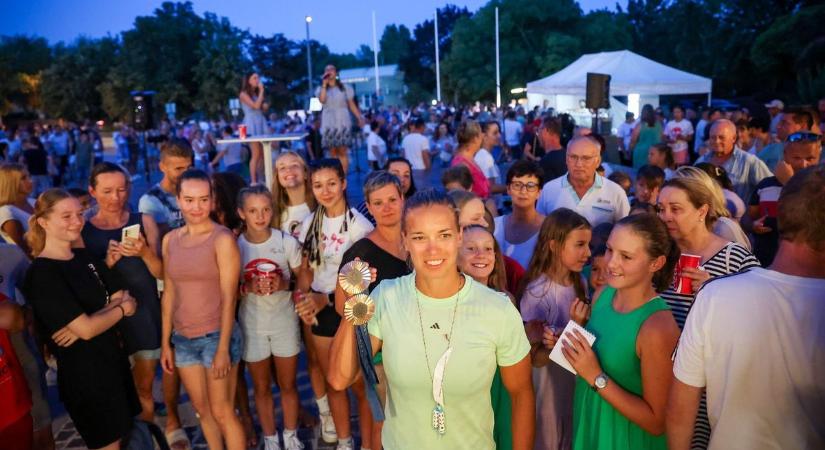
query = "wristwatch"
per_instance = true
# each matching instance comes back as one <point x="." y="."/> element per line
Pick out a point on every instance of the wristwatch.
<point x="600" y="382"/>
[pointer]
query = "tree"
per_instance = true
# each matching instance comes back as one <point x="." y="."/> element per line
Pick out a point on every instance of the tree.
<point x="69" y="85"/>
<point x="394" y="44"/>
<point x="160" y="53"/>
<point x="529" y="30"/>
<point x="791" y="53"/>
<point x="221" y="63"/>
<point x="418" y="64"/>
<point x="22" y="59"/>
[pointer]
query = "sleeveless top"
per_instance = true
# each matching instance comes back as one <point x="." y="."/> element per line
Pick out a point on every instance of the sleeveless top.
<point x="194" y="272"/>
<point x="647" y="137"/>
<point x="141" y="331"/>
<point x="597" y="424"/>
<point x="253" y="119"/>
<point x="481" y="185"/>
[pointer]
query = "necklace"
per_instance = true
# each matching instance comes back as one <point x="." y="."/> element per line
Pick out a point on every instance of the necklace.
<point x="437" y="376"/>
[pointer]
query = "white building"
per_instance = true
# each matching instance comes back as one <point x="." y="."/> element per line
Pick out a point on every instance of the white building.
<point x="390" y="82"/>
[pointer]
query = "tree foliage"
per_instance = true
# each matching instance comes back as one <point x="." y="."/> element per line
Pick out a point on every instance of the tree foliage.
<point x="767" y="48"/>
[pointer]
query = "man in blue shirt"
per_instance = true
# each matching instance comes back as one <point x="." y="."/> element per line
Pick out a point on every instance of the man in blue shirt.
<point x="744" y="170"/>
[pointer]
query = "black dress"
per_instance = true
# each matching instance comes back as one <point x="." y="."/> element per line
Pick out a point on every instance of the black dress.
<point x="141" y="331"/>
<point x="93" y="377"/>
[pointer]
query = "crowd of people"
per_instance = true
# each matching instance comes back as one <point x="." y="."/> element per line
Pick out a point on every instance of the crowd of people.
<point x="682" y="287"/>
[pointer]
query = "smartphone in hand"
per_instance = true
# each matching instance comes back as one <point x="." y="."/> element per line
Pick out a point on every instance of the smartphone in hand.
<point x="132" y="232"/>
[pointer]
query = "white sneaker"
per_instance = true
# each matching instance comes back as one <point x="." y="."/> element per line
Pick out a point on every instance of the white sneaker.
<point x="344" y="445"/>
<point x="328" y="433"/>
<point x="292" y="442"/>
<point x="272" y="443"/>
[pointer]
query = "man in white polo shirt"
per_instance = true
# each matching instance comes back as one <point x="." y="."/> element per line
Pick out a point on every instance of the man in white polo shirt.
<point x="581" y="189"/>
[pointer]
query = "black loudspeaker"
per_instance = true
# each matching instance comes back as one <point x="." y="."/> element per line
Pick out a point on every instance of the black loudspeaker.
<point x="142" y="111"/>
<point x="598" y="91"/>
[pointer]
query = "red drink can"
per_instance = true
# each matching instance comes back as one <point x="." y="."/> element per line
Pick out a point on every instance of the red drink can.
<point x="242" y="131"/>
<point x="683" y="284"/>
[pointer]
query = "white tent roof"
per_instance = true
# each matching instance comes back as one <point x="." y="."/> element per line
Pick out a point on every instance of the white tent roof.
<point x="630" y="73"/>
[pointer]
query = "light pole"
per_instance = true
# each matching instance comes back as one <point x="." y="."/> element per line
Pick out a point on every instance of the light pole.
<point x="309" y="59"/>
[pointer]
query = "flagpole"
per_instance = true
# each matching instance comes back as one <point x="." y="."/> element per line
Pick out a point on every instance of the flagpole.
<point x="375" y="57"/>
<point x="498" y="68"/>
<point x="437" y="63"/>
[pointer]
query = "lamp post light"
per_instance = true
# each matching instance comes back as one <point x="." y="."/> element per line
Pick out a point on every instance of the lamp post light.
<point x="308" y="20"/>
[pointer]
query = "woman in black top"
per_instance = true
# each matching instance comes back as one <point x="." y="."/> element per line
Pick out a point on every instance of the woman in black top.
<point x="77" y="301"/>
<point x="383" y="250"/>
<point x="138" y="264"/>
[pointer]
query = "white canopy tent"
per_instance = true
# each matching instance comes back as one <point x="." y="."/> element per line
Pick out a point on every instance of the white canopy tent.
<point x="641" y="79"/>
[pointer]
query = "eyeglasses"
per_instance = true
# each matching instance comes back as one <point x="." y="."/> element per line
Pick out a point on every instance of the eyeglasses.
<point x="518" y="186"/>
<point x="803" y="136"/>
<point x="583" y="159"/>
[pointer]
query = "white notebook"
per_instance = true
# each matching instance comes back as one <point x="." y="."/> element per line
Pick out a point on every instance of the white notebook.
<point x="556" y="354"/>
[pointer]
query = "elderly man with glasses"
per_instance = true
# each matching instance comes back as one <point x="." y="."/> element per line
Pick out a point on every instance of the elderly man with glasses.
<point x="744" y="170"/>
<point x="582" y="189"/>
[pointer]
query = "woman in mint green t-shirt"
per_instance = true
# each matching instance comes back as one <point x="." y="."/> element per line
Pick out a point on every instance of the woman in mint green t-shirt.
<point x="623" y="380"/>
<point x="442" y="335"/>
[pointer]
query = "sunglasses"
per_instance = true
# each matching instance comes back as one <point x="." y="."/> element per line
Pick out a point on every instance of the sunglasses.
<point x="803" y="136"/>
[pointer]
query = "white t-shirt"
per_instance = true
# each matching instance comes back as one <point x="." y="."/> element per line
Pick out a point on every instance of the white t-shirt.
<point x="268" y="314"/>
<point x="374" y="140"/>
<point x="626" y="132"/>
<point x="11" y="212"/>
<point x="293" y="217"/>
<point x="334" y="242"/>
<point x="605" y="201"/>
<point x="414" y="144"/>
<point x="680" y="128"/>
<point x="512" y="132"/>
<point x="520" y="252"/>
<point x="487" y="164"/>
<point x="756" y="342"/>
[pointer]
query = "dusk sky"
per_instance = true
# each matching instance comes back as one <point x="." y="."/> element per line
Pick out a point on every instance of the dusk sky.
<point x="341" y="25"/>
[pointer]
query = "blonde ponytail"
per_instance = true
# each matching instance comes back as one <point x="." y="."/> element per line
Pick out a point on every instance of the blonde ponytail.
<point x="36" y="236"/>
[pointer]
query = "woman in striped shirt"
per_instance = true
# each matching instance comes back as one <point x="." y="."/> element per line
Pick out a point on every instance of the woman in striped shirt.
<point x="688" y="208"/>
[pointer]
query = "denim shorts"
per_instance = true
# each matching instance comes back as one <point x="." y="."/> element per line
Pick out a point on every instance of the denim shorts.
<point x="201" y="350"/>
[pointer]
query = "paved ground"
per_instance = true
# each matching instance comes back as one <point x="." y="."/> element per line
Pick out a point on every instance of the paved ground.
<point x="65" y="434"/>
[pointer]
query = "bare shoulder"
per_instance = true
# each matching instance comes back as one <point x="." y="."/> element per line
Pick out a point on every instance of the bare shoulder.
<point x="225" y="237"/>
<point x="659" y="330"/>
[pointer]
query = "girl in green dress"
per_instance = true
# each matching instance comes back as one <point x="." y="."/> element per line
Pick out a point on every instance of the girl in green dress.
<point x="623" y="380"/>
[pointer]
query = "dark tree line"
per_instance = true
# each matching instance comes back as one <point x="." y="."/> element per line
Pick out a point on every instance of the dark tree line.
<point x="749" y="47"/>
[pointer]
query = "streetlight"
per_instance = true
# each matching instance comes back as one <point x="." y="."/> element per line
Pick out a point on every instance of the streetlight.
<point x="309" y="58"/>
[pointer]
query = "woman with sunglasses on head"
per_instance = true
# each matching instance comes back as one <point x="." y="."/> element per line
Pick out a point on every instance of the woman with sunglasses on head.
<point x="431" y="326"/>
<point x="325" y="235"/>
<point x="199" y="335"/>
<point x="517" y="232"/>
<point x="381" y="248"/>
